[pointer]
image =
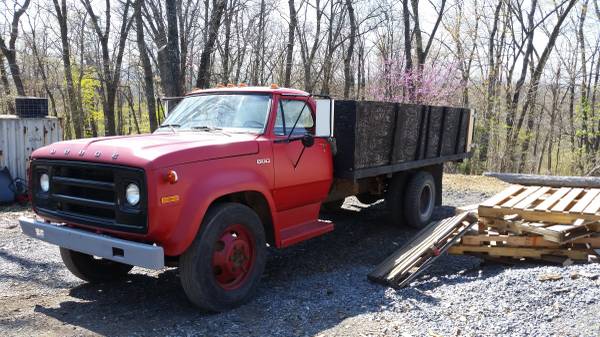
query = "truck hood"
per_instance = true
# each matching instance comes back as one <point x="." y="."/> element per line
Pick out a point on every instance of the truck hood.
<point x="152" y="151"/>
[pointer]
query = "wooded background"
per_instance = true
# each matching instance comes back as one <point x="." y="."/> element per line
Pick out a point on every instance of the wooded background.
<point x="530" y="68"/>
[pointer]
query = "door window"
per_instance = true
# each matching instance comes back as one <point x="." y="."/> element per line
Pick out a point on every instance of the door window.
<point x="291" y="111"/>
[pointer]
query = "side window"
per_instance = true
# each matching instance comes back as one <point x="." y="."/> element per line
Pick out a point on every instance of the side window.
<point x="288" y="113"/>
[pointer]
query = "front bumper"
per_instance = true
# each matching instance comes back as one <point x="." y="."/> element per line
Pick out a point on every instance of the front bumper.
<point x="128" y="252"/>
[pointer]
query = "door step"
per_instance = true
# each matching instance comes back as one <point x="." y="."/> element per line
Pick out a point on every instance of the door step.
<point x="292" y="235"/>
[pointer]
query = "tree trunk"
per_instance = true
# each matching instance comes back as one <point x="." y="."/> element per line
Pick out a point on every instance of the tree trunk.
<point x="225" y="78"/>
<point x="203" y="80"/>
<point x="111" y="69"/>
<point x="174" y="57"/>
<point x="348" y="72"/>
<point x="258" y="55"/>
<point x="289" y="56"/>
<point x="408" y="69"/>
<point x="6" y="85"/>
<point x="492" y="76"/>
<point x="76" y="114"/>
<point x="9" y="50"/>
<point x="146" y="66"/>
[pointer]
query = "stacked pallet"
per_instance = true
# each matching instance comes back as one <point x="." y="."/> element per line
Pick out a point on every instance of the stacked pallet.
<point x="560" y="224"/>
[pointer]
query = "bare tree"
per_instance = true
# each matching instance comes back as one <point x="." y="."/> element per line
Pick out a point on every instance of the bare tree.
<point x="203" y="80"/>
<point x="111" y="67"/>
<point x="9" y="50"/>
<point x="348" y="73"/>
<point x="289" y="56"/>
<point x="146" y="67"/>
<point x="74" y="107"/>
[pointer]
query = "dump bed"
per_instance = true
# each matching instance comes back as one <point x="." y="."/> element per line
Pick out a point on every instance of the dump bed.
<point x="375" y="138"/>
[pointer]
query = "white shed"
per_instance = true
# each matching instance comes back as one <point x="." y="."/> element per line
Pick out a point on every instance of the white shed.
<point x="21" y="136"/>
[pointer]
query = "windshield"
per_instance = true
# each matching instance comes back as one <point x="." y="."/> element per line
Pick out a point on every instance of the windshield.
<point x="233" y="112"/>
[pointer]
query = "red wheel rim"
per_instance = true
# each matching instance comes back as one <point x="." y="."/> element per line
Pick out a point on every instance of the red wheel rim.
<point x="233" y="257"/>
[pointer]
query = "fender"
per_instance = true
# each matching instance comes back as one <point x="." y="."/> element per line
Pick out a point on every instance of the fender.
<point x="202" y="193"/>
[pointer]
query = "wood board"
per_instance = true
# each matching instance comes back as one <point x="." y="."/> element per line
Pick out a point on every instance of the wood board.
<point x="415" y="256"/>
<point x="537" y="253"/>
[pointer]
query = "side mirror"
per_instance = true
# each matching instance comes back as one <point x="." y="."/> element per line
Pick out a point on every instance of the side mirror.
<point x="308" y="140"/>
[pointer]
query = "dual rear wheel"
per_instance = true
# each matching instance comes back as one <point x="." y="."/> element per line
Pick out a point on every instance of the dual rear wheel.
<point x="411" y="199"/>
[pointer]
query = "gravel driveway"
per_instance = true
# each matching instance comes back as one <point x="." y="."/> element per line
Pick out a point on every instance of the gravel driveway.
<point x="315" y="288"/>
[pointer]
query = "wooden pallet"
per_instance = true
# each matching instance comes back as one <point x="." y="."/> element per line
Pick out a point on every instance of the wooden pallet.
<point x="546" y="204"/>
<point x="408" y="262"/>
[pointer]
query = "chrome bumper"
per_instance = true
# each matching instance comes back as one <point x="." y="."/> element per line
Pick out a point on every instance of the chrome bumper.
<point x="128" y="252"/>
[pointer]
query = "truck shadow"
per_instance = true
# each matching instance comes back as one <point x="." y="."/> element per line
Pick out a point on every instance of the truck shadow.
<point x="306" y="289"/>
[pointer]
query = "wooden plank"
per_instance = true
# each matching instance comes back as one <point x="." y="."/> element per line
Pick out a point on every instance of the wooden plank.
<point x="543" y="180"/>
<point x="556" y="233"/>
<point x="553" y="199"/>
<point x="584" y="201"/>
<point x="567" y="200"/>
<point x="405" y="261"/>
<point x="420" y="249"/>
<point x="533" y="197"/>
<point x="508" y="240"/>
<point x="526" y="240"/>
<point x="533" y="215"/>
<point x="502" y="196"/>
<point x="528" y="191"/>
<point x="593" y="207"/>
<point x="580" y="255"/>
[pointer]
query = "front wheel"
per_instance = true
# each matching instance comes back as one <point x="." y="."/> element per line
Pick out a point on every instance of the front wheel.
<point x="91" y="269"/>
<point x="222" y="267"/>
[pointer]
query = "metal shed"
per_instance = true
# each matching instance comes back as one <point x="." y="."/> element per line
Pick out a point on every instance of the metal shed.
<point x="19" y="137"/>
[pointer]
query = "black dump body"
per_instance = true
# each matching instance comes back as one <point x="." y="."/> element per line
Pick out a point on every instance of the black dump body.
<point x="375" y="138"/>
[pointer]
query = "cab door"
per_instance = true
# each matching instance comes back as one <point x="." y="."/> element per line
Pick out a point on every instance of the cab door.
<point x="303" y="172"/>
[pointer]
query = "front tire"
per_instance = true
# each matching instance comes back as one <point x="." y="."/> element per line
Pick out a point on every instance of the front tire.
<point x="222" y="267"/>
<point x="91" y="269"/>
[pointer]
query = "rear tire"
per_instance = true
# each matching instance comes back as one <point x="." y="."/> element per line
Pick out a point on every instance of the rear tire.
<point x="93" y="270"/>
<point x="394" y="199"/>
<point x="222" y="267"/>
<point x="419" y="199"/>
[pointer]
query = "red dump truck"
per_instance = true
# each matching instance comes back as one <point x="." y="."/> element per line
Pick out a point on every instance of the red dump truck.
<point x="230" y="171"/>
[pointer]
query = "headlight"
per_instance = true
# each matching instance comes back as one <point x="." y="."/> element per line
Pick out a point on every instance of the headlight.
<point x="44" y="182"/>
<point x="132" y="194"/>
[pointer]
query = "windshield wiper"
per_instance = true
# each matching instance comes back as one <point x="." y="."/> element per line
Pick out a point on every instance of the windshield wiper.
<point x="170" y="126"/>
<point x="209" y="129"/>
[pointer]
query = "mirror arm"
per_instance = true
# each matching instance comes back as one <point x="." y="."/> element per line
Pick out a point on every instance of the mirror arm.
<point x="299" y="157"/>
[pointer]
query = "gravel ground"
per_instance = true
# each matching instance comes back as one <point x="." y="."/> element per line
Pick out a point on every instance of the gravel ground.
<point x="315" y="288"/>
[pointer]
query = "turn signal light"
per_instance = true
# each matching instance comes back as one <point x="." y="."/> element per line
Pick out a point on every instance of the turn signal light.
<point x="171" y="177"/>
<point x="274" y="86"/>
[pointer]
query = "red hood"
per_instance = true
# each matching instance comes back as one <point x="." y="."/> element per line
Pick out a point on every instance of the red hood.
<point x="152" y="150"/>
